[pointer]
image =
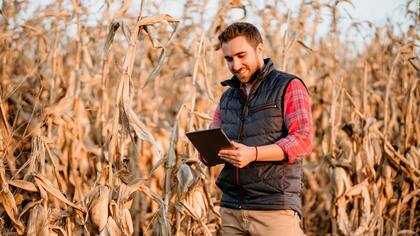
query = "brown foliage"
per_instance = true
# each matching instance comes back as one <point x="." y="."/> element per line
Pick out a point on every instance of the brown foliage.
<point x="92" y="122"/>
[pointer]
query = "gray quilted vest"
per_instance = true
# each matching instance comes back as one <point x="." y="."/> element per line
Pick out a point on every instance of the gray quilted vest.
<point x="256" y="120"/>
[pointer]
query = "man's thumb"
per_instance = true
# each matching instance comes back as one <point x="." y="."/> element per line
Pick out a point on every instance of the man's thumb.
<point x="235" y="144"/>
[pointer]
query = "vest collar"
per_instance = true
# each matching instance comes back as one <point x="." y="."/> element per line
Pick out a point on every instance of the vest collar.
<point x="259" y="76"/>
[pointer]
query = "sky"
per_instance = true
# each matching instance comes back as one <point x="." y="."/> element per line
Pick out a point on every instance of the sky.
<point x="375" y="11"/>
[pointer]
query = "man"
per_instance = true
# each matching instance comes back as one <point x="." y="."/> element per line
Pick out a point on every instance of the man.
<point x="267" y="114"/>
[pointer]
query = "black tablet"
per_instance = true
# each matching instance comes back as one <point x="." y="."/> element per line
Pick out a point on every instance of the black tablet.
<point x="208" y="143"/>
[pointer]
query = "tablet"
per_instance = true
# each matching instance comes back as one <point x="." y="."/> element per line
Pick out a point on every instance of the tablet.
<point x="208" y="143"/>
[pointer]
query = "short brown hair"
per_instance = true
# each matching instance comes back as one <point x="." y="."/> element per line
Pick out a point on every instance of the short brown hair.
<point x="246" y="29"/>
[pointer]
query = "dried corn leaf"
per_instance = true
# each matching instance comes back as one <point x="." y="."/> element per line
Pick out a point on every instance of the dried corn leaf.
<point x="22" y="184"/>
<point x="203" y="115"/>
<point x="38" y="221"/>
<point x="49" y="187"/>
<point x="99" y="207"/>
<point x="342" y="181"/>
<point x="185" y="178"/>
<point x="54" y="229"/>
<point x="127" y="222"/>
<point x="156" y="19"/>
<point x="111" y="228"/>
<point x="197" y="202"/>
<point x="9" y="204"/>
<point x="111" y="34"/>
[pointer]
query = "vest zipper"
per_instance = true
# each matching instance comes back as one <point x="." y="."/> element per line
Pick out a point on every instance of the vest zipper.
<point x="241" y="130"/>
<point x="240" y="138"/>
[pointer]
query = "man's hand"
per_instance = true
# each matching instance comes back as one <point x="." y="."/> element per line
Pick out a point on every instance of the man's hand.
<point x="239" y="156"/>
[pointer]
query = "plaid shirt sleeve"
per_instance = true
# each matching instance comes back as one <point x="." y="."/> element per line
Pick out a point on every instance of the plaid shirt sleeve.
<point x="216" y="123"/>
<point x="298" y="120"/>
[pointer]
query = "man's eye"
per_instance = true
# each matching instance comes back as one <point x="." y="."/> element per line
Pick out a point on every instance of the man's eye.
<point x="229" y="59"/>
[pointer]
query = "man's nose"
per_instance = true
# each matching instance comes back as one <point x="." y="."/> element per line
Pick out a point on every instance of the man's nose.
<point x="236" y="64"/>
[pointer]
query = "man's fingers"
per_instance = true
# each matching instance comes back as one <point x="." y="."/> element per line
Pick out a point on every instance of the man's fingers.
<point x="228" y="152"/>
<point x="230" y="159"/>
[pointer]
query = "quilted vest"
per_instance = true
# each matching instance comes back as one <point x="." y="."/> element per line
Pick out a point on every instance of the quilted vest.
<point x="255" y="120"/>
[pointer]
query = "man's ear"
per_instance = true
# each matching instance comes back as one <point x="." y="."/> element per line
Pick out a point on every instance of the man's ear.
<point x="260" y="48"/>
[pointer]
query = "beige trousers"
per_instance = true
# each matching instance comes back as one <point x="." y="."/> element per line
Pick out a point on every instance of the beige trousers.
<point x="264" y="222"/>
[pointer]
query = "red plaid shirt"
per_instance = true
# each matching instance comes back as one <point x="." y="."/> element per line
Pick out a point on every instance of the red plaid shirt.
<point x="297" y="118"/>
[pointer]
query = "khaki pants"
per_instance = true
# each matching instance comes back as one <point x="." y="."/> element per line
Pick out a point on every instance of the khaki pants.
<point x="264" y="223"/>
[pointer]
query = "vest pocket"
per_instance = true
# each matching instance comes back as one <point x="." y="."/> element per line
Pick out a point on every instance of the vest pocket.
<point x="292" y="179"/>
<point x="263" y="107"/>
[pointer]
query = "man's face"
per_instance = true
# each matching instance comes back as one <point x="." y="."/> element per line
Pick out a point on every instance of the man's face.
<point x="242" y="58"/>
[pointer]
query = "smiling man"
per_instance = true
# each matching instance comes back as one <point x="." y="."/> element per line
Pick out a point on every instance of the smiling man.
<point x="267" y="114"/>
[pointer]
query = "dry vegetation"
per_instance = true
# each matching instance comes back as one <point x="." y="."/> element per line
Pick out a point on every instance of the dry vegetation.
<point x="93" y="118"/>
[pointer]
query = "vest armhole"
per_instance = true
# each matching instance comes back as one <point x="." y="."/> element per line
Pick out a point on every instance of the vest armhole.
<point x="283" y="93"/>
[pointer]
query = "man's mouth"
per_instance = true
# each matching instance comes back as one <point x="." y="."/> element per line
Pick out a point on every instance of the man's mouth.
<point x="240" y="72"/>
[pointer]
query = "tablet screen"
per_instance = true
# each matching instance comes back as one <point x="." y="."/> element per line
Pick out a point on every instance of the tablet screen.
<point x="208" y="143"/>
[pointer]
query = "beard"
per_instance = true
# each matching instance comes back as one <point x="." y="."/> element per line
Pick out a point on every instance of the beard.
<point x="250" y="78"/>
<point x="254" y="76"/>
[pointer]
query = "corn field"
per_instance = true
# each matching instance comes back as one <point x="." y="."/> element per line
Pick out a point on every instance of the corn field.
<point x="93" y="116"/>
